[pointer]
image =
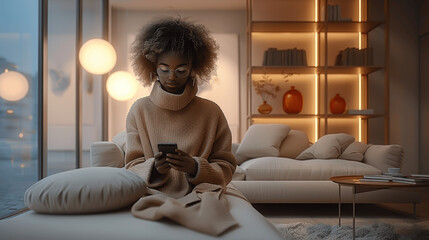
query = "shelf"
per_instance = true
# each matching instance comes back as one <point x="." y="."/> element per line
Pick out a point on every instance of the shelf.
<point x="365" y="116"/>
<point x="363" y="27"/>
<point x="365" y="70"/>
<point x="316" y="116"/>
<point x="286" y="70"/>
<point x="279" y="26"/>
<point x="284" y="115"/>
<point x="291" y="26"/>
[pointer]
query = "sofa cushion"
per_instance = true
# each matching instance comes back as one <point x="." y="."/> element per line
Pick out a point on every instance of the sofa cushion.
<point x="294" y="143"/>
<point x="275" y="168"/>
<point x="85" y="190"/>
<point x="263" y="140"/>
<point x="384" y="156"/>
<point x="354" y="151"/>
<point x="327" y="147"/>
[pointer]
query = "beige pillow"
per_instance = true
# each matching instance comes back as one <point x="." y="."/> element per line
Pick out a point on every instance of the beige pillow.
<point x="327" y="147"/>
<point x="263" y="140"/>
<point x="354" y="151"/>
<point x="85" y="190"/>
<point x="384" y="156"/>
<point x="294" y="143"/>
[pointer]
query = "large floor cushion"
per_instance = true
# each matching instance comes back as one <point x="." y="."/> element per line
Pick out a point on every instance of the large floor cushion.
<point x="278" y="168"/>
<point x="123" y="225"/>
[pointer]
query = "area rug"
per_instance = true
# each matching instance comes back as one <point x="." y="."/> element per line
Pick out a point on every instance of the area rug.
<point x="379" y="231"/>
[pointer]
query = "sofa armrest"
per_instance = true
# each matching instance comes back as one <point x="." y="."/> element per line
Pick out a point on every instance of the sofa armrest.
<point x="384" y="156"/>
<point x="240" y="159"/>
<point x="234" y="148"/>
<point x="106" y="154"/>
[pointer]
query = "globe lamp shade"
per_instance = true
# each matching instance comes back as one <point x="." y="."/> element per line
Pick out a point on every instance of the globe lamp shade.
<point x="13" y="86"/>
<point x="121" y="85"/>
<point x="97" y="56"/>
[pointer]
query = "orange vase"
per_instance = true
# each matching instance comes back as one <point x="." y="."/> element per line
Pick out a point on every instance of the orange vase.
<point x="337" y="104"/>
<point x="265" y="108"/>
<point x="292" y="101"/>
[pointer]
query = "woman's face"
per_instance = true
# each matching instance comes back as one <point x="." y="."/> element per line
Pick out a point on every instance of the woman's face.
<point x="173" y="71"/>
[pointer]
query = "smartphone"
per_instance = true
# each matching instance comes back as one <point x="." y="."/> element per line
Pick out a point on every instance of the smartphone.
<point x="167" y="148"/>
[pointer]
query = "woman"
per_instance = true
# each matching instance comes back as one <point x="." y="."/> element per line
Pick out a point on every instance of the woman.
<point x="177" y="56"/>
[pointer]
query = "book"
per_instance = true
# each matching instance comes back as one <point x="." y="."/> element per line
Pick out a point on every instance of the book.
<point x="373" y="180"/>
<point x="378" y="177"/>
<point x="420" y="175"/>
<point x="410" y="179"/>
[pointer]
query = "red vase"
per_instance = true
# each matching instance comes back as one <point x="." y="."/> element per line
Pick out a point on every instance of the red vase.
<point x="292" y="101"/>
<point x="337" y="104"/>
<point x="265" y="108"/>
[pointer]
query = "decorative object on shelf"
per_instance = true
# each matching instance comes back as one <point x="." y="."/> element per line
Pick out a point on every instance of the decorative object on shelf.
<point x="265" y="108"/>
<point x="337" y="105"/>
<point x="13" y="85"/>
<point x="97" y="56"/>
<point x="265" y="88"/>
<point x="292" y="101"/>
<point x="121" y="85"/>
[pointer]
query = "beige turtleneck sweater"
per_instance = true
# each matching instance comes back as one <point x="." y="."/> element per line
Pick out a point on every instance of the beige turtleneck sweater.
<point x="197" y="125"/>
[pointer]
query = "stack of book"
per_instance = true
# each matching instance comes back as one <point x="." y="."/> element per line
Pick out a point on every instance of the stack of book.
<point x="354" y="57"/>
<point x="334" y="14"/>
<point x="409" y="179"/>
<point x="360" y="111"/>
<point x="376" y="178"/>
<point x="412" y="179"/>
<point x="287" y="57"/>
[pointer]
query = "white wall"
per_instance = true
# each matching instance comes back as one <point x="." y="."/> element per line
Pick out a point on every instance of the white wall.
<point x="126" y="23"/>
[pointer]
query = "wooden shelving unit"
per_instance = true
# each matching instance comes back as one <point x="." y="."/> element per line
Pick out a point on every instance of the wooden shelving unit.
<point x="320" y="70"/>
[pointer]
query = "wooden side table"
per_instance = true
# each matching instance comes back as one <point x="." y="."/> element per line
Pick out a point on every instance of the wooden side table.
<point x="360" y="187"/>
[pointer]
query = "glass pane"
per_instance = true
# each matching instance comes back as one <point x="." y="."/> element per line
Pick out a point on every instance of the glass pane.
<point x="18" y="101"/>
<point x="61" y="85"/>
<point x="91" y="84"/>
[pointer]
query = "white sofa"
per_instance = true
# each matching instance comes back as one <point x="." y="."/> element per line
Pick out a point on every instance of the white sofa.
<point x="270" y="171"/>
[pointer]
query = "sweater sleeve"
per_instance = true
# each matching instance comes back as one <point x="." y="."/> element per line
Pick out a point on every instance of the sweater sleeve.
<point x="220" y="166"/>
<point x="134" y="157"/>
<point x="134" y="149"/>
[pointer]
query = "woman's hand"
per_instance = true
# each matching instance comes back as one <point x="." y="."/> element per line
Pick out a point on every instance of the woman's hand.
<point x="182" y="162"/>
<point x="161" y="164"/>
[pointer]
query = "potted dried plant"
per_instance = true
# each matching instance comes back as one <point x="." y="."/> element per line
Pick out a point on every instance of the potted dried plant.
<point x="266" y="88"/>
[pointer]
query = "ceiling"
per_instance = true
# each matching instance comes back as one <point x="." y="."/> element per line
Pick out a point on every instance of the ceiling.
<point x="179" y="4"/>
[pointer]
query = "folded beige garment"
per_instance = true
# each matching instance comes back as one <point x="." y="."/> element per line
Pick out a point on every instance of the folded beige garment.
<point x="205" y="209"/>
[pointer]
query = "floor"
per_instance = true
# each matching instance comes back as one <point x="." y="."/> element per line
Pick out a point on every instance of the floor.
<point x="366" y="214"/>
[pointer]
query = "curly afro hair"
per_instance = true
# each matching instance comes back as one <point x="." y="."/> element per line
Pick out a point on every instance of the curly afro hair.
<point x="176" y="35"/>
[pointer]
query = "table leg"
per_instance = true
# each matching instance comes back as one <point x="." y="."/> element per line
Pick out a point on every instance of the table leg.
<point x="354" y="211"/>
<point x="339" y="205"/>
